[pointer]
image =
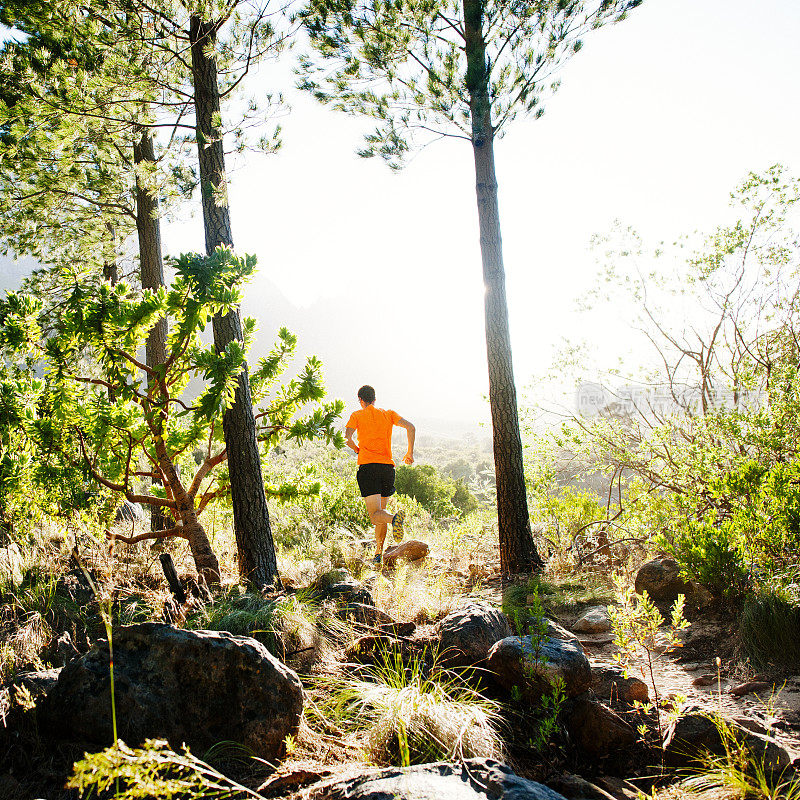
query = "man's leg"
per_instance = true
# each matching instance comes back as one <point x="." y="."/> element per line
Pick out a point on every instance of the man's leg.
<point x="380" y="517"/>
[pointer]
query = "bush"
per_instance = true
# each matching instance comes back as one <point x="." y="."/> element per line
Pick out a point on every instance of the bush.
<point x="770" y="629"/>
<point x="437" y="494"/>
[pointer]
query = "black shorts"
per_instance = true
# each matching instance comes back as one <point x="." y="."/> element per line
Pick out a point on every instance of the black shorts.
<point x="376" y="479"/>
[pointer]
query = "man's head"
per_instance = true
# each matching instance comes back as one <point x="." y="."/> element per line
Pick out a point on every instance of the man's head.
<point x="367" y="394"/>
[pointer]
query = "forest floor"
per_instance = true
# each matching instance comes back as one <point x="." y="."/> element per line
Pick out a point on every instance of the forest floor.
<point x="318" y="755"/>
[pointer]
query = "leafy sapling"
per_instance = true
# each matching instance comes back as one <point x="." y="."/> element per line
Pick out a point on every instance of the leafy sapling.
<point x="642" y="638"/>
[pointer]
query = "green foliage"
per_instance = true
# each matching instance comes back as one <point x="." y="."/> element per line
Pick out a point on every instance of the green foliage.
<point x="124" y="423"/>
<point x="440" y="496"/>
<point x="405" y="63"/>
<point x="639" y="630"/>
<point x="770" y="627"/>
<point x="741" y="773"/>
<point x="283" y="625"/>
<point x="712" y="476"/>
<point x="153" y="770"/>
<point x="527" y="613"/>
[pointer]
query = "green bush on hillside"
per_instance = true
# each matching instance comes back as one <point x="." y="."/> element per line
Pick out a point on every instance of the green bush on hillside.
<point x="437" y="494"/>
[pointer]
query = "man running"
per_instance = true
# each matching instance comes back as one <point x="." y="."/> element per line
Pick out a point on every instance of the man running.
<point x="375" y="474"/>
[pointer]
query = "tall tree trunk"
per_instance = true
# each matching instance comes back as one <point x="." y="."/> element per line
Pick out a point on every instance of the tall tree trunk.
<point x="151" y="266"/>
<point x="517" y="549"/>
<point x="256" y="549"/>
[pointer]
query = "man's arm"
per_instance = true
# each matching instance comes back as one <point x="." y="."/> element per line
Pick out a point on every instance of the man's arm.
<point x="348" y="432"/>
<point x="408" y="458"/>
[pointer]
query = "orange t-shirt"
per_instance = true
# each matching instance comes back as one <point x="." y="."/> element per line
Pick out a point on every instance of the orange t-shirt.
<point x="374" y="428"/>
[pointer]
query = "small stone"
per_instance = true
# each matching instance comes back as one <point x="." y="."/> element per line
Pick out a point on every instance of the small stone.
<point x="751" y="687"/>
<point x="610" y="684"/>
<point x="705" y="680"/>
<point x="412" y="550"/>
<point x="594" y="620"/>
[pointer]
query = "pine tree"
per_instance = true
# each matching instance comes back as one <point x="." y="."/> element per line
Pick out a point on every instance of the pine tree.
<point x="466" y="69"/>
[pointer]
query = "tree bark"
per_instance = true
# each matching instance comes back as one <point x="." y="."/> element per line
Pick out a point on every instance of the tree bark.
<point x="151" y="266"/>
<point x="256" y="549"/>
<point x="517" y="549"/>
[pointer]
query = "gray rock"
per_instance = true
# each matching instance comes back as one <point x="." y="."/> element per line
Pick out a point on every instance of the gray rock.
<point x="367" y="615"/>
<point x="341" y="587"/>
<point x="518" y="661"/>
<point x="559" y="632"/>
<point x="593" y="620"/>
<point x="595" y="728"/>
<point x="37" y="683"/>
<point x="62" y="650"/>
<point x="695" y="733"/>
<point x="474" y="779"/>
<point x="11" y="565"/>
<point x="467" y="634"/>
<point x="661" y="579"/>
<point x="610" y="683"/>
<point x="193" y="687"/>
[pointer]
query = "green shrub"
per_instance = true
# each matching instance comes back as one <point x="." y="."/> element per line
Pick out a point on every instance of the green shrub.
<point x="712" y="554"/>
<point x="437" y="494"/>
<point x="770" y="629"/>
<point x="284" y="625"/>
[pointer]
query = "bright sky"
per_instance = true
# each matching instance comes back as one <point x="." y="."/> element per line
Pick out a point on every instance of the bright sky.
<point x="379" y="274"/>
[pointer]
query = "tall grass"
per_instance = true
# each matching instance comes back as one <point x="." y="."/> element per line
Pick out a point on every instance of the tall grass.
<point x="406" y="711"/>
<point x="770" y="629"/>
<point x="286" y="626"/>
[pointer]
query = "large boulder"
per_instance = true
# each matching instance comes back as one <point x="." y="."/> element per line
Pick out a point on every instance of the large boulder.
<point x="467" y="634"/>
<point x="595" y="728"/>
<point x="695" y="733"/>
<point x="192" y="687"/>
<point x="533" y="664"/>
<point x="473" y="779"/>
<point x="661" y="579"/>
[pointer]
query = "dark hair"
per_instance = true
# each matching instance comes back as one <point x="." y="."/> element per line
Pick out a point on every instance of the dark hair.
<point x="367" y="394"/>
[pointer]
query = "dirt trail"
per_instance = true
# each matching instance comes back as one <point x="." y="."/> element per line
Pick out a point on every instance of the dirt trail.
<point x="777" y="708"/>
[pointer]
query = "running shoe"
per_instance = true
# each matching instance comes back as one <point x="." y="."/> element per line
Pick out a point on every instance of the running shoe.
<point x="397" y="525"/>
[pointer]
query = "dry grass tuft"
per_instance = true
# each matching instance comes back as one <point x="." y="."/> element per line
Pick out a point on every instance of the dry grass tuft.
<point x="410" y="712"/>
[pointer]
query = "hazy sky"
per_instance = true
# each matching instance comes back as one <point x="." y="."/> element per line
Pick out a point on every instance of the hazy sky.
<point x="656" y="121"/>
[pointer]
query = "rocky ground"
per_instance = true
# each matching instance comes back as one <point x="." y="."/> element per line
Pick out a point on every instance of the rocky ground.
<point x="205" y="687"/>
